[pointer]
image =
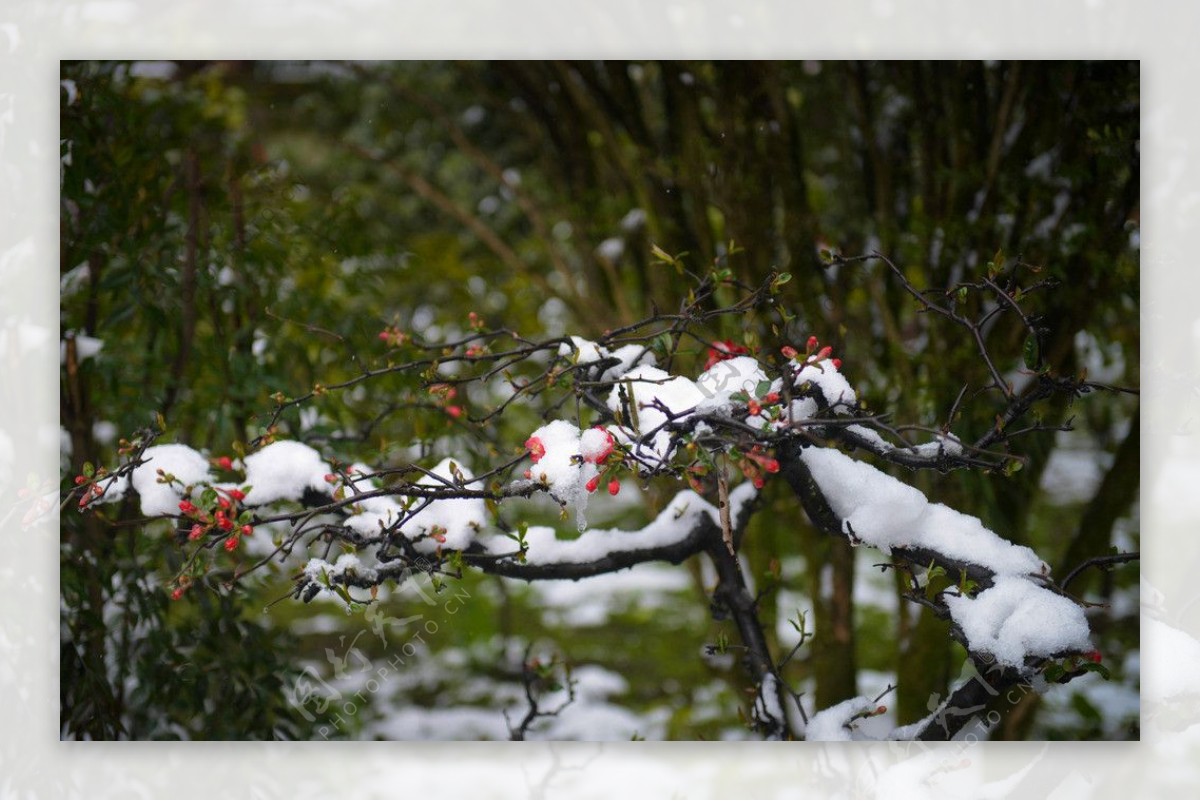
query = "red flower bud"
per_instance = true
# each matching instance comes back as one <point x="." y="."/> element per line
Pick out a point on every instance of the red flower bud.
<point x="837" y="364"/>
<point x="788" y="352"/>
<point x="196" y="533"/>
<point x="247" y="529"/>
<point x="722" y="350"/>
<point x="330" y="478"/>
<point x="80" y="480"/>
<point x="385" y="335"/>
<point x="824" y="352"/>
<point x="231" y="543"/>
<point x="593" y="483"/>
<point x="614" y="487"/>
<point x="225" y="463"/>
<point x="812" y="343"/>
<point x="454" y="411"/>
<point x="772" y="397"/>
<point x="753" y="407"/>
<point x="176" y="593"/>
<point x="224" y="504"/>
<point x="237" y="495"/>
<point x="187" y="507"/>
<point x="758" y="482"/>
<point x="1095" y="656"/>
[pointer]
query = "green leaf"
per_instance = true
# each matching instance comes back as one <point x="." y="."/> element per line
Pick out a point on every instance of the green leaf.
<point x="1030" y="352"/>
<point x="763" y="389"/>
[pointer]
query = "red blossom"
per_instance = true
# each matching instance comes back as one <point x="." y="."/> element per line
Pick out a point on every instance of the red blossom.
<point x="722" y="350"/>
<point x="824" y="353"/>
<point x="614" y="487"/>
<point x="767" y="463"/>
<point x="330" y="478"/>
<point x="232" y="543"/>
<point x="247" y="529"/>
<point x="393" y="336"/>
<point x="454" y="411"/>
<point x="771" y="398"/>
<point x="236" y="494"/>
<point x="788" y="352"/>
<point x="176" y="593"/>
<point x="606" y="451"/>
<point x="1095" y="656"/>
<point x="187" y="507"/>
<point x="593" y="483"/>
<point x="536" y="449"/>
<point x="837" y="364"/>
<point x="80" y="480"/>
<point x="812" y="344"/>
<point x="225" y="463"/>
<point x="753" y="407"/>
<point x="196" y="533"/>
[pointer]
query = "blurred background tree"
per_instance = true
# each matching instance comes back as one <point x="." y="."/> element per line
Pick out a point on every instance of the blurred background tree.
<point x="231" y="230"/>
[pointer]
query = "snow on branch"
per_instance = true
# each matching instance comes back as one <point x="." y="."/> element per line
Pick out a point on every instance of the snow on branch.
<point x="740" y="414"/>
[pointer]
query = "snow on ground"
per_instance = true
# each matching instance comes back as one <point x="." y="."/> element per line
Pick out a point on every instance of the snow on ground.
<point x="591" y="602"/>
<point x="1075" y="469"/>
<point x="475" y="711"/>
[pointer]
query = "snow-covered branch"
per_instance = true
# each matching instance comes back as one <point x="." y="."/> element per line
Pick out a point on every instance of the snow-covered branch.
<point x="725" y="432"/>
